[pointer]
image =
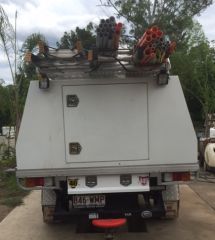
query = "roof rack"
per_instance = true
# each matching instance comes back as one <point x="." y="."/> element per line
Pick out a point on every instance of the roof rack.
<point x="64" y="64"/>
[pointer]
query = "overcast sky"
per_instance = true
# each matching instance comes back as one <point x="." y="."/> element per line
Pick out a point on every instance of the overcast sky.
<point x="53" y="17"/>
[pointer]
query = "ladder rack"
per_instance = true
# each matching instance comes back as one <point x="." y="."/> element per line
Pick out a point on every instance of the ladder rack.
<point x="66" y="64"/>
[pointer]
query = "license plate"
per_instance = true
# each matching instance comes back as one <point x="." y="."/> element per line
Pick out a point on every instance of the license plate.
<point x="88" y="201"/>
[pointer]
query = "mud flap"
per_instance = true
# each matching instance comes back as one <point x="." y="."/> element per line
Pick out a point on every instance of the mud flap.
<point x="172" y="209"/>
<point x="48" y="214"/>
<point x="171" y="198"/>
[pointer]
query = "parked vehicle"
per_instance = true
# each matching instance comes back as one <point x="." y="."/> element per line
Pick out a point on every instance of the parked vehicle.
<point x="105" y="143"/>
<point x="206" y="144"/>
<point x="209" y="163"/>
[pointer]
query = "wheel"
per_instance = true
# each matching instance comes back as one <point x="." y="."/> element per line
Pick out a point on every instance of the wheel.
<point x="48" y="214"/>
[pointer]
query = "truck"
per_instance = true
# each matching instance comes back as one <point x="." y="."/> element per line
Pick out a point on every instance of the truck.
<point x="105" y="143"/>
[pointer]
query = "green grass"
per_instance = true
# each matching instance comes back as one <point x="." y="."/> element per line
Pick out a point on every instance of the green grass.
<point x="11" y="194"/>
<point x="12" y="201"/>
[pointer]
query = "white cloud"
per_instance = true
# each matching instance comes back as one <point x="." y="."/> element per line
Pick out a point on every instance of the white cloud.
<point x="49" y="17"/>
<point x="207" y="20"/>
<point x="5" y="74"/>
<point x="19" y="2"/>
<point x="5" y="71"/>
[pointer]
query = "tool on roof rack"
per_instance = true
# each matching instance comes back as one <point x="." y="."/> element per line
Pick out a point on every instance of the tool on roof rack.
<point x="149" y="55"/>
<point x="108" y="34"/>
<point x="153" y="47"/>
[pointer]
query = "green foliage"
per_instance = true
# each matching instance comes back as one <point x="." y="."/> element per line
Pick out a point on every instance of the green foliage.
<point x="85" y="35"/>
<point x="195" y="35"/>
<point x="12" y="201"/>
<point x="31" y="42"/>
<point x="195" y="67"/>
<point x="8" y="44"/>
<point x="7" y="101"/>
<point x="7" y="116"/>
<point x="27" y="71"/>
<point x="14" y="96"/>
<point x="23" y="83"/>
<point x="8" y="157"/>
<point x="11" y="193"/>
<point x="175" y="17"/>
<point x="194" y="58"/>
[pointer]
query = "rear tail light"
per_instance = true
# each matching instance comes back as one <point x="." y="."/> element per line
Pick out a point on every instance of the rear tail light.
<point x="181" y="176"/>
<point x="176" y="176"/>
<point x="34" y="182"/>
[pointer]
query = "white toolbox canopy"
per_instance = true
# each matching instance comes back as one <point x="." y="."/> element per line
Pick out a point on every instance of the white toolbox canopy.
<point x="128" y="125"/>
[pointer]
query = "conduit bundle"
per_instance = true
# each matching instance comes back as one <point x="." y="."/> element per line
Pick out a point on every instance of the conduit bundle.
<point x="153" y="47"/>
<point x="108" y="34"/>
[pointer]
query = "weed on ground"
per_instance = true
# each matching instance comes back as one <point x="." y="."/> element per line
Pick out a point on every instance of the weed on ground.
<point x="11" y="194"/>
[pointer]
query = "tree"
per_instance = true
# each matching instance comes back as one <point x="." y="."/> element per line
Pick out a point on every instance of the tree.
<point x="7" y="40"/>
<point x="174" y="17"/>
<point x="7" y="116"/>
<point x="27" y="71"/>
<point x="30" y="45"/>
<point x="18" y="91"/>
<point x="8" y="45"/>
<point x="85" y="35"/>
<point x="194" y="58"/>
<point x="195" y="66"/>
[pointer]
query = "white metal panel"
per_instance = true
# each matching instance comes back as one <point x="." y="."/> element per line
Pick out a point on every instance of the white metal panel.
<point x="110" y="184"/>
<point x="41" y="143"/>
<point x="110" y="122"/>
<point x="171" y="133"/>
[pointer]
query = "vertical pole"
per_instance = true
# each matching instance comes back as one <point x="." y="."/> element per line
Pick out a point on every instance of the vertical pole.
<point x="15" y="46"/>
<point x="15" y="83"/>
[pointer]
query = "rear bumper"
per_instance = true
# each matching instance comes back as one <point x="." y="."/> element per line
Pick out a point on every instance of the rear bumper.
<point x="64" y="172"/>
<point x="117" y="205"/>
<point x="144" y="213"/>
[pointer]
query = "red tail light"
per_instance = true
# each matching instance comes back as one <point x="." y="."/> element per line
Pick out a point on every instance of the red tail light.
<point x="34" y="182"/>
<point x="177" y="176"/>
<point x="181" y="176"/>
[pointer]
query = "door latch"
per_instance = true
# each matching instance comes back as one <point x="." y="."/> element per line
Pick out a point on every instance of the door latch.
<point x="74" y="148"/>
<point x="72" y="100"/>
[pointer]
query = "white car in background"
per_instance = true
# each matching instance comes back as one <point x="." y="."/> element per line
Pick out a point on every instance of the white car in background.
<point x="209" y="154"/>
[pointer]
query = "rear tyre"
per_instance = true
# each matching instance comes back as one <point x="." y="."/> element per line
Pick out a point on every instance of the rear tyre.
<point x="48" y="214"/>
